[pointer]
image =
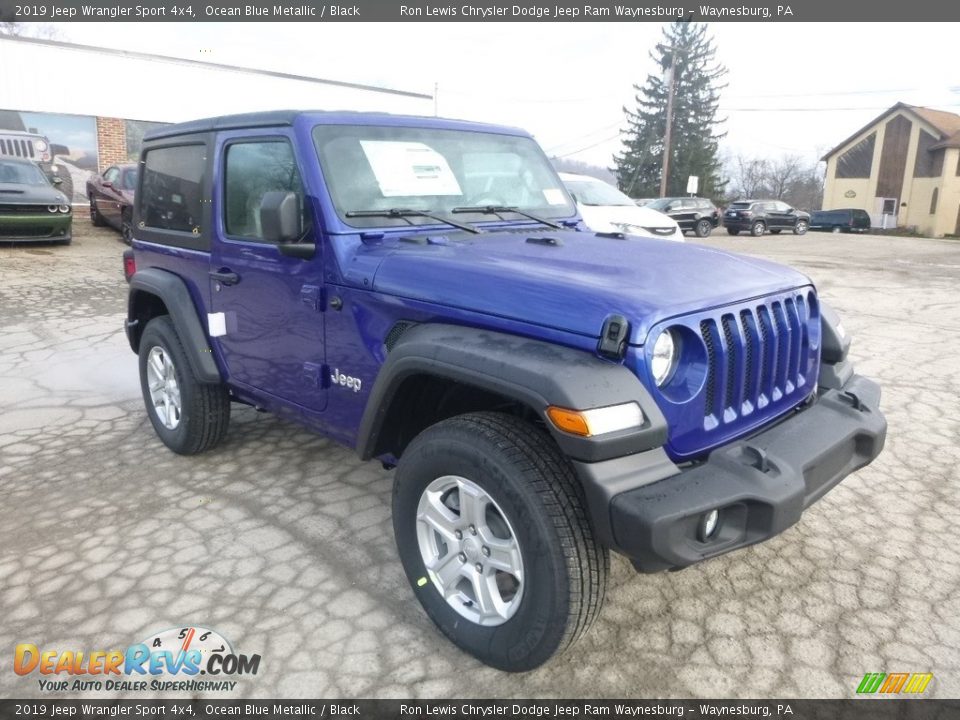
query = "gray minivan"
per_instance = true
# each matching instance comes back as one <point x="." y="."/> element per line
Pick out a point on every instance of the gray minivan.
<point x="843" y="220"/>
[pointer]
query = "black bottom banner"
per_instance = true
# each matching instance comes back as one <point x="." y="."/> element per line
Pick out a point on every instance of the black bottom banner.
<point x="865" y="709"/>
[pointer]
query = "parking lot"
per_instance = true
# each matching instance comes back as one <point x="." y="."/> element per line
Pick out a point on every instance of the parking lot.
<point x="282" y="541"/>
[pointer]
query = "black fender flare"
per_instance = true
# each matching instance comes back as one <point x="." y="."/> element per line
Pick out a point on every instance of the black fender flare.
<point x="535" y="373"/>
<point x="171" y="289"/>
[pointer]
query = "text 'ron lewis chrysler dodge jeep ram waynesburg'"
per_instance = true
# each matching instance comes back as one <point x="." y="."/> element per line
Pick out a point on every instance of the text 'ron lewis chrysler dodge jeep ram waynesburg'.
<point x="423" y="291"/>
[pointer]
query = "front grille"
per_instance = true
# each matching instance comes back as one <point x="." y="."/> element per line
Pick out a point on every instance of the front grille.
<point x="16" y="147"/>
<point x="10" y="209"/>
<point x="755" y="358"/>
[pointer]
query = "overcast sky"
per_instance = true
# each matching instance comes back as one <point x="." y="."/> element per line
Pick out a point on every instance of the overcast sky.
<point x="792" y="87"/>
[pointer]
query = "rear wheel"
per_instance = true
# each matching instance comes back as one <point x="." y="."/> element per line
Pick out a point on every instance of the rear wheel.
<point x="836" y="231"/>
<point x="126" y="226"/>
<point x="800" y="228"/>
<point x="189" y="416"/>
<point x="703" y="228"/>
<point x="758" y="228"/>
<point x="491" y="529"/>
<point x="95" y="217"/>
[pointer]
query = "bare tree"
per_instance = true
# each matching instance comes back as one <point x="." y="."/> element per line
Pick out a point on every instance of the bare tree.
<point x="36" y="30"/>
<point x="749" y="177"/>
<point x="781" y="174"/>
<point x="788" y="178"/>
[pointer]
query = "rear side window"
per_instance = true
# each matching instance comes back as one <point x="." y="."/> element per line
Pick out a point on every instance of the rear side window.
<point x="172" y="188"/>
<point x="252" y="170"/>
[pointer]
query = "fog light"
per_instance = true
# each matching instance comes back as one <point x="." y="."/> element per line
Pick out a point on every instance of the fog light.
<point x="708" y="525"/>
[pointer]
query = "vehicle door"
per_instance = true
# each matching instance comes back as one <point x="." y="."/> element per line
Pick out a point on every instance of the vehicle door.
<point x="108" y="196"/>
<point x="786" y="215"/>
<point x="684" y="212"/>
<point x="267" y="318"/>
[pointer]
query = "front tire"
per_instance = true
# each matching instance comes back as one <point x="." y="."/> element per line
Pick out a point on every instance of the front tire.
<point x="758" y="228"/>
<point x="491" y="529"/>
<point x="189" y="416"/>
<point x="703" y="228"/>
<point x="800" y="228"/>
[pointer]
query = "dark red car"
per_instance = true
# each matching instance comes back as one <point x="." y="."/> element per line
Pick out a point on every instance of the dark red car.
<point x="111" y="198"/>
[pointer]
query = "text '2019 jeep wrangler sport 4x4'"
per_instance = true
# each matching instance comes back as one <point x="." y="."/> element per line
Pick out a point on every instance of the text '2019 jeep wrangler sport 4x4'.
<point x="423" y="291"/>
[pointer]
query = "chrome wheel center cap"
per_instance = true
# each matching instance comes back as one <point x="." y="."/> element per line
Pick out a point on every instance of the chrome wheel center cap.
<point x="471" y="548"/>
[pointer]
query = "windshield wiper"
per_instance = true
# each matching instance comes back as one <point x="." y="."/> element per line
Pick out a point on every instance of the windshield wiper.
<point x="497" y="209"/>
<point x="407" y="213"/>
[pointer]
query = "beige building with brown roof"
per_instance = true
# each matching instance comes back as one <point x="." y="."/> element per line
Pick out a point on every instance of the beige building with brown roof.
<point x="903" y="168"/>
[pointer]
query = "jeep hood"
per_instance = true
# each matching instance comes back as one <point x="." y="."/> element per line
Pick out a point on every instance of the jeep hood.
<point x="575" y="284"/>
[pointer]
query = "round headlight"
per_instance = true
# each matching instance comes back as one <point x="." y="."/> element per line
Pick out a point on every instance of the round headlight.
<point x="51" y="208"/>
<point x="40" y="146"/>
<point x="64" y="208"/>
<point x="664" y="359"/>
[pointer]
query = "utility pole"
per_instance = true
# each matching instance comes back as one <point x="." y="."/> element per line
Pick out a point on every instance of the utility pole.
<point x="671" y="73"/>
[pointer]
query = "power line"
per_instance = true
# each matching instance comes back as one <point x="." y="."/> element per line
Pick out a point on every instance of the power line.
<point x="599" y="142"/>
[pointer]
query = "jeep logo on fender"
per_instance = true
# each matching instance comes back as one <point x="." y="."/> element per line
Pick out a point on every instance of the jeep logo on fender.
<point x="338" y="378"/>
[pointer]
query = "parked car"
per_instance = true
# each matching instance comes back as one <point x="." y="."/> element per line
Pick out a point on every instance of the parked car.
<point x="692" y="214"/>
<point x="31" y="207"/>
<point x="39" y="150"/>
<point x="111" y="198"/>
<point x="760" y="216"/>
<point x="424" y="291"/>
<point x="641" y="202"/>
<point x="606" y="209"/>
<point x="842" y="220"/>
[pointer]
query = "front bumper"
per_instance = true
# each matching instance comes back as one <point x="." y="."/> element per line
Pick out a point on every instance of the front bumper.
<point x="38" y="226"/>
<point x="761" y="485"/>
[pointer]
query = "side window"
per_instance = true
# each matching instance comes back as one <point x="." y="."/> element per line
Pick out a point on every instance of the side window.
<point x="782" y="207"/>
<point x="252" y="170"/>
<point x="172" y="188"/>
<point x="111" y="175"/>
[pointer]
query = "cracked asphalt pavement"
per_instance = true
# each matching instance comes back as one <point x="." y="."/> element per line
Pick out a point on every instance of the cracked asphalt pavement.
<point x="282" y="541"/>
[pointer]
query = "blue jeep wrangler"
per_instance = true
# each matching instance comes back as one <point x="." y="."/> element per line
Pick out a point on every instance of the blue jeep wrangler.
<point x="423" y="290"/>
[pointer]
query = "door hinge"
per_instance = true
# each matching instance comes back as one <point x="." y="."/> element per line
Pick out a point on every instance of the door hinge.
<point x="313" y="296"/>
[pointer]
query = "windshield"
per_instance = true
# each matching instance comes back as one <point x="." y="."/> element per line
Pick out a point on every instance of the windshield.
<point x="20" y="173"/>
<point x="376" y="168"/>
<point x="128" y="180"/>
<point x="740" y="205"/>
<point x="595" y="192"/>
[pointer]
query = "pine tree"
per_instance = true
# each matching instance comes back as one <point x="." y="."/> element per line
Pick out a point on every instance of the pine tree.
<point x="695" y="140"/>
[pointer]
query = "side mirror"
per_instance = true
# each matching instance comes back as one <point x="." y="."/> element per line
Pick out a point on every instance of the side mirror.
<point x="281" y="222"/>
<point x="56" y="149"/>
<point x="58" y="181"/>
<point x="280" y="217"/>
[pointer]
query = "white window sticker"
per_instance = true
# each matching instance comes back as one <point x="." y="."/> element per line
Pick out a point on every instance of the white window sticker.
<point x="409" y="169"/>
<point x="554" y="196"/>
<point x="217" y="322"/>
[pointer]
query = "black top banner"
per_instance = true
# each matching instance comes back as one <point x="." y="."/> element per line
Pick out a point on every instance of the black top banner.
<point x="266" y="709"/>
<point x="478" y="11"/>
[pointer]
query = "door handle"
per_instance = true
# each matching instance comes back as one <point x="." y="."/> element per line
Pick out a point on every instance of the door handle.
<point x="227" y="277"/>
